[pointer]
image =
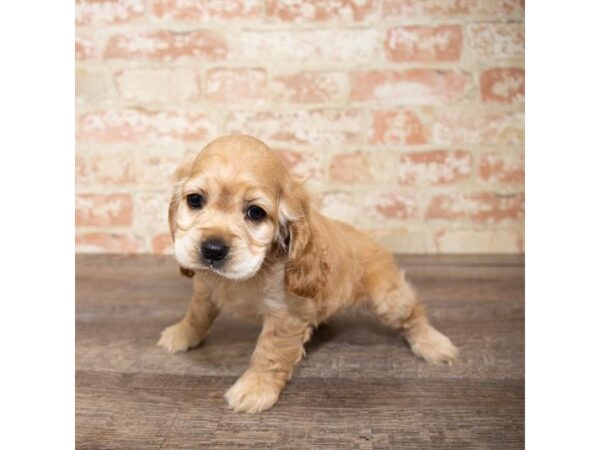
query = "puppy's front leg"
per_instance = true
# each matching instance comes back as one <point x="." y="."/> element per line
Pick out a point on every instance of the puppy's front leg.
<point x="190" y="331"/>
<point x="279" y="348"/>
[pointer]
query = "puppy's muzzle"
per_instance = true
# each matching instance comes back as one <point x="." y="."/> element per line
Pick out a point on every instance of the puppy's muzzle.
<point x="214" y="251"/>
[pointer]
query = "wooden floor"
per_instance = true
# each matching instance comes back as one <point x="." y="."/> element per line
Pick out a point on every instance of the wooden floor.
<point x="359" y="387"/>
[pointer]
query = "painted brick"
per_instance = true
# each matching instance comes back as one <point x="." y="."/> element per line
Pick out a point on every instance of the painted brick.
<point x="503" y="85"/>
<point x="434" y="167"/>
<point x="449" y="8"/>
<point x="341" y="205"/>
<point x="134" y="125"/>
<point x="108" y="12"/>
<point x="478" y="127"/>
<point x="405" y="239"/>
<point x="103" y="242"/>
<point x="314" y="46"/>
<point x="167" y="46"/>
<point x="393" y="205"/>
<point x="417" y="86"/>
<point x="424" y="43"/>
<point x="95" y="210"/>
<point x="314" y="127"/>
<point x="397" y="127"/>
<point x="472" y="241"/>
<point x="205" y="11"/>
<point x="351" y="168"/>
<point x="132" y="167"/>
<point x="496" y="41"/>
<point x="235" y="85"/>
<point x="310" y="87"/>
<point x="158" y="85"/>
<point x="85" y="47"/>
<point x="304" y="164"/>
<point x="151" y="211"/>
<point x="321" y="10"/>
<point x="483" y="207"/>
<point x="91" y="86"/>
<point x="502" y="168"/>
<point x="162" y="244"/>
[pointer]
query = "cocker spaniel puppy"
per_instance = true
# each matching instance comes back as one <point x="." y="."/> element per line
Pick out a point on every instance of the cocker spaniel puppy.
<point x="250" y="238"/>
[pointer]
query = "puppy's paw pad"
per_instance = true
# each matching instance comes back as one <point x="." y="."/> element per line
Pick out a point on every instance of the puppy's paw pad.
<point x="177" y="338"/>
<point x="434" y="347"/>
<point x="252" y="393"/>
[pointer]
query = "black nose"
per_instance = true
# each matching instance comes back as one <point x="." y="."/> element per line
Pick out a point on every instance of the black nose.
<point x="214" y="250"/>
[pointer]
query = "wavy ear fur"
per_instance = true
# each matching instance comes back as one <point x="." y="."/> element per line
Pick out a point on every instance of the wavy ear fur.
<point x="180" y="174"/>
<point x="306" y="269"/>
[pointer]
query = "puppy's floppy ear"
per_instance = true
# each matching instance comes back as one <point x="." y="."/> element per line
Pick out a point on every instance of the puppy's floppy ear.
<point x="306" y="268"/>
<point x="181" y="173"/>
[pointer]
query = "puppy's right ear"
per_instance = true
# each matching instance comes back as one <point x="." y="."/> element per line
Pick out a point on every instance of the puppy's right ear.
<point x="182" y="172"/>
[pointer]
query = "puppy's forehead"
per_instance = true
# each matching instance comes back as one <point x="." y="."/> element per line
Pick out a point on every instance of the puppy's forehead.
<point x="241" y="159"/>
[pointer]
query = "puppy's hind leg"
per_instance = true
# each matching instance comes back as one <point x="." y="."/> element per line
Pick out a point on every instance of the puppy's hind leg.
<point x="396" y="304"/>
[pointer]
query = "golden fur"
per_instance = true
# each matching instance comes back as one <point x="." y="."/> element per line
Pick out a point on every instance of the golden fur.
<point x="294" y="269"/>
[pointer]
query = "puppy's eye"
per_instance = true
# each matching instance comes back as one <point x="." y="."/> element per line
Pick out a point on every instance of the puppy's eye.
<point x="255" y="213"/>
<point x="195" y="201"/>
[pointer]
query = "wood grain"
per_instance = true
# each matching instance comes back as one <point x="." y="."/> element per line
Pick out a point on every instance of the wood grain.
<point x="359" y="387"/>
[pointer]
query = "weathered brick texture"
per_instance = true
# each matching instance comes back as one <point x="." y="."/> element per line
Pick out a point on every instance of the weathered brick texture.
<point x="404" y="117"/>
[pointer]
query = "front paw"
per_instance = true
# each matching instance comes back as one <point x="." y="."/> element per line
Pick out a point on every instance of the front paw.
<point x="253" y="392"/>
<point x="179" y="338"/>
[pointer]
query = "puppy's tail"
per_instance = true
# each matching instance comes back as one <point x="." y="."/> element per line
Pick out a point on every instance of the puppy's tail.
<point x="425" y="341"/>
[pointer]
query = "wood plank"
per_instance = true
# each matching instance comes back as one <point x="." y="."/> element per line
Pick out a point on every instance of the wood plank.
<point x="182" y="411"/>
<point x="359" y="387"/>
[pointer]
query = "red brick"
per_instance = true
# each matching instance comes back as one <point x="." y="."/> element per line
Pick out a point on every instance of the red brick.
<point x="108" y="243"/>
<point x="135" y="125"/>
<point x="313" y="46"/>
<point x="235" y="85"/>
<point x="303" y="164"/>
<point x="85" y="47"/>
<point x="424" y="43"/>
<point x="107" y="12"/>
<point x="478" y="127"/>
<point x="167" y="46"/>
<point x="321" y="10"/>
<point x="394" y="205"/>
<point x="397" y="127"/>
<point x="503" y="85"/>
<point x="310" y="87"/>
<point x="206" y="11"/>
<point x="502" y="168"/>
<point x="417" y="86"/>
<point x="484" y="207"/>
<point x="158" y="85"/>
<point x="162" y="244"/>
<point x="449" y="8"/>
<point x="496" y="41"/>
<point x="351" y="168"/>
<point x="307" y="127"/>
<point x="94" y="210"/>
<point x="434" y="167"/>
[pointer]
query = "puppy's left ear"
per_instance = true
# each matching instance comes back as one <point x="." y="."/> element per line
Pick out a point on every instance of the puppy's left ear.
<point x="306" y="268"/>
<point x="181" y="173"/>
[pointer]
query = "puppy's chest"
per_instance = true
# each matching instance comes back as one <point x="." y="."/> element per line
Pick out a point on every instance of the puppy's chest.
<point x="255" y="296"/>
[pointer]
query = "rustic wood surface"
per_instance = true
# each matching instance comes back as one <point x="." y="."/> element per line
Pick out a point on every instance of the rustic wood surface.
<point x="359" y="387"/>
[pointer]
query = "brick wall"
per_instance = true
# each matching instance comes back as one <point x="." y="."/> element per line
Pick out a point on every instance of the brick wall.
<point x="406" y="115"/>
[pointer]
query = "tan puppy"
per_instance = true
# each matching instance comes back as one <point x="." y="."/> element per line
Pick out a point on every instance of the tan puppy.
<point x="248" y="235"/>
